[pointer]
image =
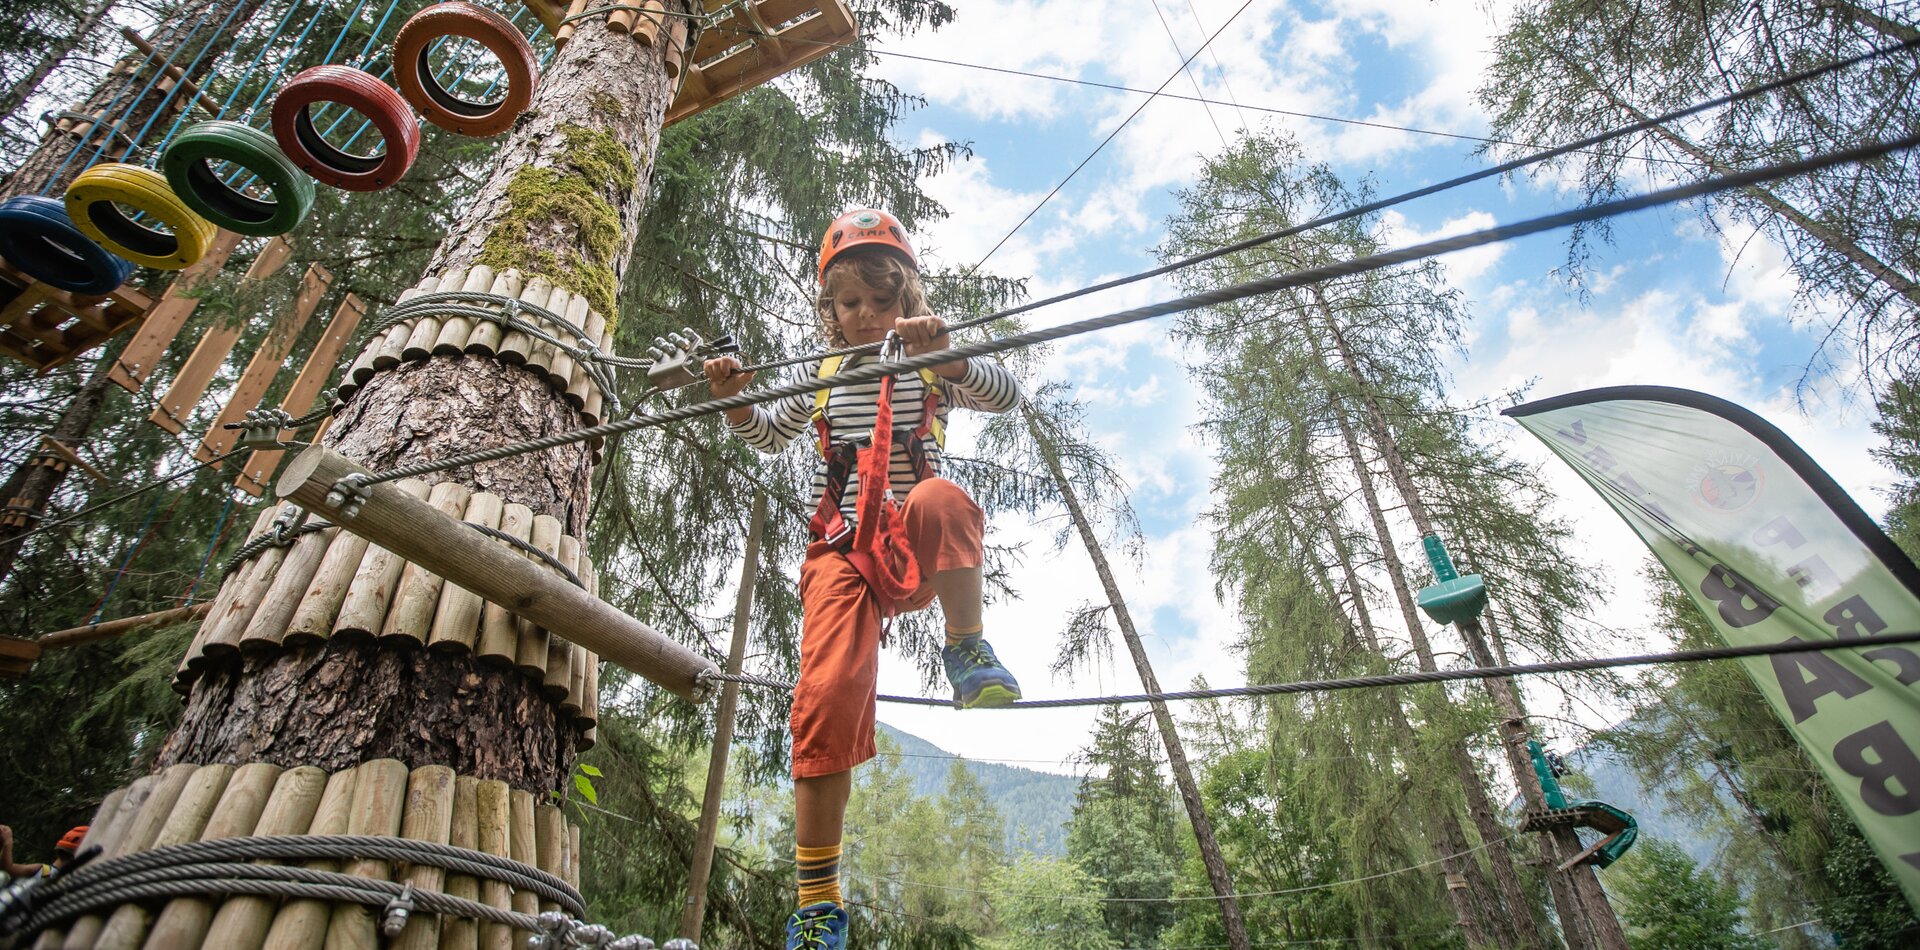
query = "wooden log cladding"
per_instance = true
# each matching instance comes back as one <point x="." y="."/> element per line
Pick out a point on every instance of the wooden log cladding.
<point x="539" y="352"/>
<point x="126" y="929"/>
<point x="520" y="844"/>
<point x="183" y="923"/>
<point x="514" y="344"/>
<point x="363" y="366"/>
<point x="565" y="32"/>
<point x="499" y="629"/>
<point x="411" y="616"/>
<point x="102" y="830"/>
<point x="379" y="797"/>
<point x="302" y="924"/>
<point x="590" y="689"/>
<point x="463" y="933"/>
<point x="392" y="516"/>
<point x="576" y="680"/>
<point x="456" y="619"/>
<point x="559" y="673"/>
<point x="223" y="604"/>
<point x="549" y="839"/>
<point x="493" y="820"/>
<point x="117" y="840"/>
<point x="573" y="855"/>
<point x="559" y="363"/>
<point x="530" y="655"/>
<point x="457" y="332"/>
<point x="241" y="923"/>
<point x="580" y="384"/>
<point x="428" y="817"/>
<point x="319" y="605"/>
<point x="268" y="628"/>
<point x="371" y="592"/>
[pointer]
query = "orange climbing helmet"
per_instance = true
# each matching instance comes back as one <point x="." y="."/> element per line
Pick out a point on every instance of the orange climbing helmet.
<point x="70" y="842"/>
<point x="864" y="226"/>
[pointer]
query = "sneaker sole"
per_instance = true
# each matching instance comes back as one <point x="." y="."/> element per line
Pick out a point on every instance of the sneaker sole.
<point x="991" y="695"/>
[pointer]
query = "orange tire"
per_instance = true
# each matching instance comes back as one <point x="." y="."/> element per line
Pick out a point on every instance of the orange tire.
<point x="435" y="102"/>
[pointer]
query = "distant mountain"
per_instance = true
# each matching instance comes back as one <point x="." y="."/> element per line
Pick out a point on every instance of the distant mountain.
<point x="1036" y="805"/>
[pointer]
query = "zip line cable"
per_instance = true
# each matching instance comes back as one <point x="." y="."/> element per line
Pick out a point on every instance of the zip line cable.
<point x="1580" y="145"/>
<point x="1110" y="137"/>
<point x="1412" y="678"/>
<point x="1285" y="281"/>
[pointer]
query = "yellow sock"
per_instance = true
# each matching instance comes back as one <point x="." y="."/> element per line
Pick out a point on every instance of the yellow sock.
<point x="955" y="636"/>
<point x="819" y="874"/>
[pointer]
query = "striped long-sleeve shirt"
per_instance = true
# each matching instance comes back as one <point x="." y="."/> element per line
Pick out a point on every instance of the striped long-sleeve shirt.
<point x="986" y="387"/>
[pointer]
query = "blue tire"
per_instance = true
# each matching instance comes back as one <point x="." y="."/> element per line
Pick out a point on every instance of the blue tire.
<point x="37" y="237"/>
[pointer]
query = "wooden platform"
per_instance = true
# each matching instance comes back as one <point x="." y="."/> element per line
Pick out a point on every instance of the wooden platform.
<point x="1599" y="820"/>
<point x="752" y="42"/>
<point x="44" y="327"/>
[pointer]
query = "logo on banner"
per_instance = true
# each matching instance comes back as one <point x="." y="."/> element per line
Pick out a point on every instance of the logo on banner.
<point x="1726" y="484"/>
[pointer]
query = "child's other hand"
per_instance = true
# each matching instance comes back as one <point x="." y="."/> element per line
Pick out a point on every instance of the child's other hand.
<point x="724" y="377"/>
<point x="922" y="334"/>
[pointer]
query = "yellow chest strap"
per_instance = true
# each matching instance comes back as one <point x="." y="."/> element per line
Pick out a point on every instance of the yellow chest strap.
<point x="929" y="418"/>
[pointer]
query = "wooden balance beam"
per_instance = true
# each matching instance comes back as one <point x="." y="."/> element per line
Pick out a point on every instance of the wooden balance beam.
<point x="416" y="531"/>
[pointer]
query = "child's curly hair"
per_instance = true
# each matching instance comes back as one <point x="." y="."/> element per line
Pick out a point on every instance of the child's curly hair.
<point x="875" y="268"/>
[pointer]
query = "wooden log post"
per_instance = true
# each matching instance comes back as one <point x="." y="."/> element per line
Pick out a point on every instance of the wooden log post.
<point x="242" y="922"/>
<point x="463" y="933"/>
<point x="493" y="821"/>
<point x="302" y="924"/>
<point x="379" y="797"/>
<point x="400" y="522"/>
<point x="183" y="924"/>
<point x="428" y="817"/>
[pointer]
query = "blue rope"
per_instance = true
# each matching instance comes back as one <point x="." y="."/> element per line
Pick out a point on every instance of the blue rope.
<point x="186" y="76"/>
<point x="272" y="37"/>
<point x="139" y="540"/>
<point x="81" y="143"/>
<point x="267" y="87"/>
<point x="212" y="542"/>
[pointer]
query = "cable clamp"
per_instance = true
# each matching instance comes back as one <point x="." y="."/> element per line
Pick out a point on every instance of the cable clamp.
<point x="588" y="937"/>
<point x="637" y="942"/>
<point x="554" y="927"/>
<point x="260" y="428"/>
<point x="705" y="684"/>
<point x="348" y="494"/>
<point x="681" y="943"/>
<point x="398" y="910"/>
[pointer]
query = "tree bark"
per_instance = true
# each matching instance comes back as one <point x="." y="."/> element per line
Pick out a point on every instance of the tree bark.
<point x="50" y="60"/>
<point x="1218" y="875"/>
<point x="560" y="201"/>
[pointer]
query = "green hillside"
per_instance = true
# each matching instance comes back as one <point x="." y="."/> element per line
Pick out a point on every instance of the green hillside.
<point x="1036" y="805"/>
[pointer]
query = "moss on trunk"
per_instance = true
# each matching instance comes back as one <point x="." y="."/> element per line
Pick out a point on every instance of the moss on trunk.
<point x="572" y="193"/>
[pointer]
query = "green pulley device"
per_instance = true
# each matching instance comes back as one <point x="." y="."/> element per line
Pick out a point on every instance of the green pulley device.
<point x="1452" y="598"/>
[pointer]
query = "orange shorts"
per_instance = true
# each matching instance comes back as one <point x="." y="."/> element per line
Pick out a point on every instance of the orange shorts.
<point x="840" y="628"/>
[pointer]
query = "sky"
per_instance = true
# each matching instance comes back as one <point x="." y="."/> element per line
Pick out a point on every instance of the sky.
<point x="1672" y="303"/>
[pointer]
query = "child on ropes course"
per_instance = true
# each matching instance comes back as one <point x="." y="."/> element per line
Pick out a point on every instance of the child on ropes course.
<point x="867" y="560"/>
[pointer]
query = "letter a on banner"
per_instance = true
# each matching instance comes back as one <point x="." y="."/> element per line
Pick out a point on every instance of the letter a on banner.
<point x="1772" y="551"/>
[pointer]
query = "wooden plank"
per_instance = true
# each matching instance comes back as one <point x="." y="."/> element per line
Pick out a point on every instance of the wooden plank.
<point x="136" y="363"/>
<point x="61" y="449"/>
<point x="194" y="376"/>
<point x="306" y="387"/>
<point x="735" y="29"/>
<point x="749" y="66"/>
<point x="18" y="649"/>
<point x="265" y="365"/>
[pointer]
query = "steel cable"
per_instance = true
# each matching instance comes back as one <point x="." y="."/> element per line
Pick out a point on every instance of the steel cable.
<point x="1289" y="280"/>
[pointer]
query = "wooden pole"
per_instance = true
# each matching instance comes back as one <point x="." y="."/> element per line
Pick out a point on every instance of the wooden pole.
<point x="127" y="928"/>
<point x="463" y="933"/>
<point x="241" y="923"/>
<point x="696" y="909"/>
<point x="416" y="531"/>
<point x="379" y="794"/>
<point x="75" y="636"/>
<point x="520" y="844"/>
<point x="302" y="924"/>
<point x="429" y="817"/>
<point x="183" y="924"/>
<point x="493" y="821"/>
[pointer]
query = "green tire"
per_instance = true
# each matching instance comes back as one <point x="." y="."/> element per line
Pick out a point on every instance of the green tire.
<point x="188" y="164"/>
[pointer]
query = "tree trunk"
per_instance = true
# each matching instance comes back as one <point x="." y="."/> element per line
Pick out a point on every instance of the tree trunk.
<point x="135" y="108"/>
<point x="561" y="201"/>
<point x="18" y="94"/>
<point x="1598" y="913"/>
<point x="1217" y="873"/>
<point x="36" y="482"/>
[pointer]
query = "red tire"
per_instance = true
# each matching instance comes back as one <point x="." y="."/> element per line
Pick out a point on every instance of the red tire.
<point x="293" y="128"/>
<point x="435" y="102"/>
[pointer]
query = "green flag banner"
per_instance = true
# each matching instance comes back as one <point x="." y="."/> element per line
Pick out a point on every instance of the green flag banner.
<point x="1772" y="550"/>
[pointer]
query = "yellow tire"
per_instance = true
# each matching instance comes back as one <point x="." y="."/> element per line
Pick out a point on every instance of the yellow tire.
<point x="95" y="200"/>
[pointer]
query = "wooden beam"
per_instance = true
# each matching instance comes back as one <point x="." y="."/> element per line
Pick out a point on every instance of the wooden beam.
<point x="265" y="364"/>
<point x="163" y="322"/>
<point x="191" y="382"/>
<point x="320" y="365"/>
<point x="61" y="449"/>
<point x="75" y="636"/>
<point x="414" y="530"/>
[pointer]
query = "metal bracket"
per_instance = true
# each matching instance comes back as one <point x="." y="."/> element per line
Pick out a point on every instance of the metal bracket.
<point x="348" y="494"/>
<point x="260" y="428"/>
<point x="398" y="910"/>
<point x="677" y="358"/>
<point x="705" y="684"/>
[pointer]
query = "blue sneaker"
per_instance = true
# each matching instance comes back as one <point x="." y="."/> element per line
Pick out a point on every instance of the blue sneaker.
<point x="977" y="676"/>
<point x="821" y="926"/>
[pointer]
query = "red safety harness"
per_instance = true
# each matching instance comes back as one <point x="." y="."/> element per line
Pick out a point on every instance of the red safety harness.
<point x="877" y="545"/>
